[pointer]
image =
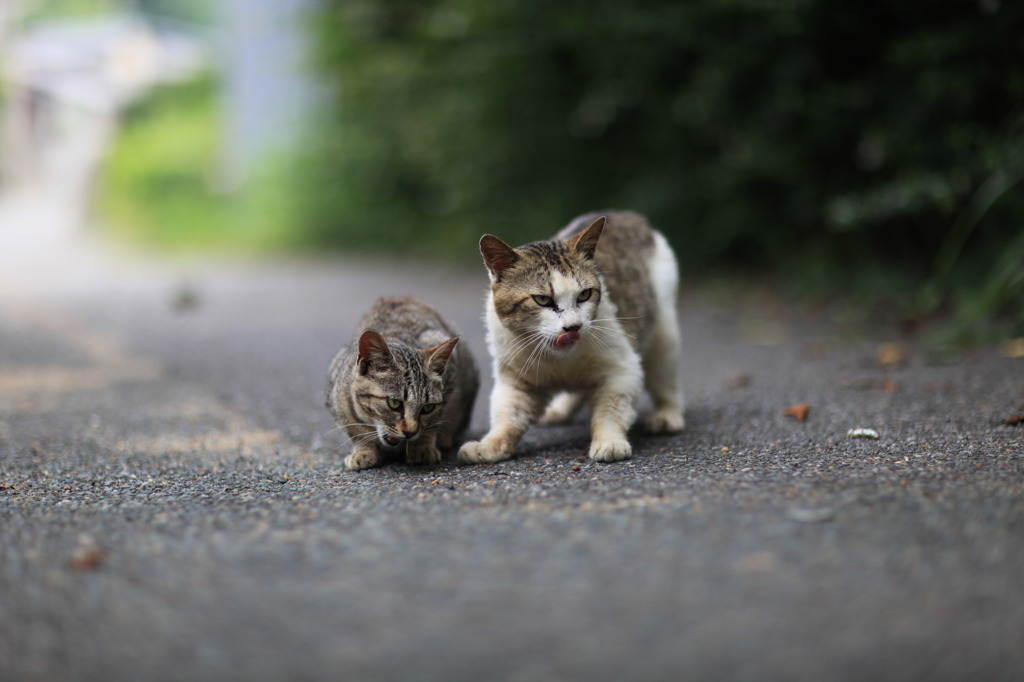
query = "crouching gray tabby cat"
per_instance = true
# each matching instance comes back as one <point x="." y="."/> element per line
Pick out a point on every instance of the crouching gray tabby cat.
<point x="404" y="384"/>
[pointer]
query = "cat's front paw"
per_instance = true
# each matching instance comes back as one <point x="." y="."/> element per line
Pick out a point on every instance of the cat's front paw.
<point x="665" y="421"/>
<point x="422" y="454"/>
<point x="611" y="450"/>
<point x="478" y="452"/>
<point x="365" y="458"/>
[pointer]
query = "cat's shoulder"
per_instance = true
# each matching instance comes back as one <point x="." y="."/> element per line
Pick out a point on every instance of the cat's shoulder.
<point x="400" y="306"/>
<point x="623" y="230"/>
<point x="395" y="313"/>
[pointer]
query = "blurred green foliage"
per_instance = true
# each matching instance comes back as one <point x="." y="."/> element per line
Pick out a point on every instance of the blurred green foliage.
<point x="865" y="147"/>
<point x="196" y="12"/>
<point x="48" y="9"/>
<point x="161" y="185"/>
<point x="193" y="11"/>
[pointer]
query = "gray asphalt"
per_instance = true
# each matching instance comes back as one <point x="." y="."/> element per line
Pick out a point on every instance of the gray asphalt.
<point x="173" y="504"/>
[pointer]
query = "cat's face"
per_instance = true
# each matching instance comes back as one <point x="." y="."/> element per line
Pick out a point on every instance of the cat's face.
<point x="546" y="290"/>
<point x="398" y="389"/>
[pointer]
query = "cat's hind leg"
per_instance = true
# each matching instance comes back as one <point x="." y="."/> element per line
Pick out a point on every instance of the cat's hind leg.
<point x="662" y="357"/>
<point x="562" y="408"/>
<point x="661" y="378"/>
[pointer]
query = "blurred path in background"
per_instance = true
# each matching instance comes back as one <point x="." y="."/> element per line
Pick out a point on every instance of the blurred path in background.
<point x="43" y="212"/>
<point x="64" y="85"/>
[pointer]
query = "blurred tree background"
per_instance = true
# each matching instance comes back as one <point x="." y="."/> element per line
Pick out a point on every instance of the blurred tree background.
<point x="872" y="151"/>
<point x="870" y="148"/>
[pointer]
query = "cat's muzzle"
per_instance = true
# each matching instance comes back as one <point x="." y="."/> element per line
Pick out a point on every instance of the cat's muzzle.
<point x="395" y="441"/>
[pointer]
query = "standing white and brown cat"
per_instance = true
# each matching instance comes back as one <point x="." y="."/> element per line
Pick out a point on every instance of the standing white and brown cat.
<point x="404" y="384"/>
<point x="589" y="315"/>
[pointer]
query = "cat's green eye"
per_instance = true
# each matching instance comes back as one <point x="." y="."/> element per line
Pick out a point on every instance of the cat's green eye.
<point x="584" y="295"/>
<point x="544" y="301"/>
<point x="394" y="403"/>
<point x="428" y="408"/>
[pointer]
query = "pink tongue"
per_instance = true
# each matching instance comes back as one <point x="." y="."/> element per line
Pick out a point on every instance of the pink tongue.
<point x="567" y="338"/>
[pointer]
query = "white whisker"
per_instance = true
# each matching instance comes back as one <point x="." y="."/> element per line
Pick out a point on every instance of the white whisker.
<point x="606" y="319"/>
<point x="345" y="426"/>
<point x="606" y="329"/>
<point x="534" y="339"/>
<point x="363" y="439"/>
<point x="437" y="425"/>
<point x="514" y="349"/>
<point x="598" y="339"/>
<point x="533" y="359"/>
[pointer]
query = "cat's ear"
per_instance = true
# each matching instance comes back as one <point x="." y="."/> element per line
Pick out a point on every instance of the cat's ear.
<point x="437" y="357"/>
<point x="585" y="243"/>
<point x="498" y="256"/>
<point x="373" y="352"/>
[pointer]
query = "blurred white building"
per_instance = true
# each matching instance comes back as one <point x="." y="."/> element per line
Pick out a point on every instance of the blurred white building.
<point x="58" y="77"/>
<point x="55" y="73"/>
<point x="64" y="83"/>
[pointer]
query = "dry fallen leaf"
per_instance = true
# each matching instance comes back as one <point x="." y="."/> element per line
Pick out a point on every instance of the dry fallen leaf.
<point x="799" y="411"/>
<point x="891" y="354"/>
<point x="88" y="558"/>
<point x="1012" y="348"/>
<point x="741" y="380"/>
<point x="1015" y="420"/>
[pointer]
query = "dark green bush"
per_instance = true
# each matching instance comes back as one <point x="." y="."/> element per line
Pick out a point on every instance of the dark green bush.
<point x="874" y="145"/>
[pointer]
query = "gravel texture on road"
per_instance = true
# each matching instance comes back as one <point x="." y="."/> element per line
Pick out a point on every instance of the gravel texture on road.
<point x="173" y="504"/>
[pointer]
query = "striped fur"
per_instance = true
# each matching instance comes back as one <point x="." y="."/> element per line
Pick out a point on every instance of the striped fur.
<point x="589" y="315"/>
<point x="404" y="383"/>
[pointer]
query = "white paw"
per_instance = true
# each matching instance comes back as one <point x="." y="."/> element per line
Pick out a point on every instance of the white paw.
<point x="611" y="450"/>
<point x="665" y="421"/>
<point x="477" y="452"/>
<point x="422" y="455"/>
<point x="362" y="459"/>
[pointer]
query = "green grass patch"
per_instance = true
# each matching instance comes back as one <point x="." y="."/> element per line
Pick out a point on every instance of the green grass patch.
<point x="162" y="186"/>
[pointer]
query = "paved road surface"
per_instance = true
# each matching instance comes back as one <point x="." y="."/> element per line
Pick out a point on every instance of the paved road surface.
<point x="173" y="505"/>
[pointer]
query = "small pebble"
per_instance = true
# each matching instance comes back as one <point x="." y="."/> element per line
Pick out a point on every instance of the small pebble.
<point x="804" y="515"/>
<point x="88" y="558"/>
